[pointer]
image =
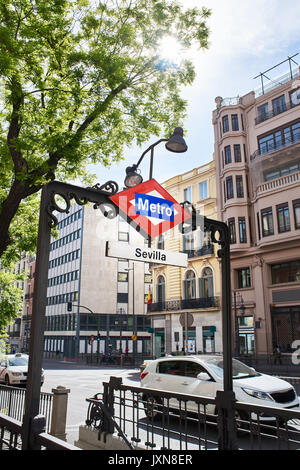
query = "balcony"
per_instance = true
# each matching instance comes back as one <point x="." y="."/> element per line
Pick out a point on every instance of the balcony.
<point x="185" y="304"/>
<point x="278" y="183"/>
<point x="288" y="142"/>
<point x="206" y="250"/>
<point x="270" y="114"/>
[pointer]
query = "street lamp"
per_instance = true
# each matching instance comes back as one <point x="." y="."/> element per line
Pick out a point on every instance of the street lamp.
<point x="175" y="143"/>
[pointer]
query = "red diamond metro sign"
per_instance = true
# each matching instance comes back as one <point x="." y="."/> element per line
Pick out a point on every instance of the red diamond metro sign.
<point x="151" y="208"/>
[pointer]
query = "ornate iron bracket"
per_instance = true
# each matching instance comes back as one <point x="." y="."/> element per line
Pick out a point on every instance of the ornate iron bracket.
<point x="218" y="230"/>
<point x="99" y="195"/>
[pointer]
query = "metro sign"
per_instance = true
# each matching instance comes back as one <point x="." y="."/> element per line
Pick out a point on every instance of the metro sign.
<point x="151" y="208"/>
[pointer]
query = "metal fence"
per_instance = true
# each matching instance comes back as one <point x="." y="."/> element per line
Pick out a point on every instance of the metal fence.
<point x="152" y="419"/>
<point x="11" y="436"/>
<point x="12" y="403"/>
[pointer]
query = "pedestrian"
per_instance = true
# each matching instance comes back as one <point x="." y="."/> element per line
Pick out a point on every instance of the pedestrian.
<point x="57" y="354"/>
<point x="126" y="351"/>
<point x="277" y="354"/>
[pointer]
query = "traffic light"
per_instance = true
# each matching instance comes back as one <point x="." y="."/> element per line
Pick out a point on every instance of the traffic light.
<point x="69" y="307"/>
<point x="98" y="337"/>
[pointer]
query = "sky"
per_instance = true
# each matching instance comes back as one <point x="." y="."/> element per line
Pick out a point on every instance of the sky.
<point x="246" y="37"/>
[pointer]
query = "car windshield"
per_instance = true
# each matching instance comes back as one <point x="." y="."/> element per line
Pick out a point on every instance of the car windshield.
<point x="17" y="361"/>
<point x="239" y="370"/>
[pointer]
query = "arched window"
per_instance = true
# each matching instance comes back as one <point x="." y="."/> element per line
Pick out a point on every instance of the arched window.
<point x="160" y="289"/>
<point x="206" y="283"/>
<point x="190" y="285"/>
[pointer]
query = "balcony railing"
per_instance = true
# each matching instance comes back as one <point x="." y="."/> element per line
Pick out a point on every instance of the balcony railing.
<point x="279" y="146"/>
<point x="264" y="116"/>
<point x="206" y="250"/>
<point x="184" y="304"/>
<point x="286" y="180"/>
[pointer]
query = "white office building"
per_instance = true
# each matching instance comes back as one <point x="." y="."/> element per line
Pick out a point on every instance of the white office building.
<point x="114" y="290"/>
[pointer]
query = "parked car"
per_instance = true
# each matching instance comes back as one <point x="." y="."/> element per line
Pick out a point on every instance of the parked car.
<point x="144" y="364"/>
<point x="203" y="376"/>
<point x="14" y="369"/>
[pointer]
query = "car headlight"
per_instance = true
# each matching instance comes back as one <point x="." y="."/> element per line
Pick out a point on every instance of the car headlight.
<point x="16" y="374"/>
<point x="258" y="394"/>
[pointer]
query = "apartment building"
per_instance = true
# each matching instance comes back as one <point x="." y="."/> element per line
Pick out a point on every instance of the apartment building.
<point x="185" y="310"/>
<point x="257" y="154"/>
<point x="82" y="279"/>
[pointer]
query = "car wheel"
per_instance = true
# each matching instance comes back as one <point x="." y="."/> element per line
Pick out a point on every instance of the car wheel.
<point x="152" y="407"/>
<point x="7" y="381"/>
<point x="242" y="421"/>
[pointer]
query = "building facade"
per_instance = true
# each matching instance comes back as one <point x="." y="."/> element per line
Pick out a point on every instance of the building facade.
<point x="257" y="154"/>
<point x="92" y="295"/>
<point x="185" y="308"/>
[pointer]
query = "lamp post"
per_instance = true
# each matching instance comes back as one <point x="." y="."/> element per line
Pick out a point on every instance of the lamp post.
<point x="175" y="143"/>
<point x="134" y="333"/>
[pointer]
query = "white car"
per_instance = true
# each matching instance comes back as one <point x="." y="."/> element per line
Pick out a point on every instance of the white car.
<point x="14" y="369"/>
<point x="203" y="376"/>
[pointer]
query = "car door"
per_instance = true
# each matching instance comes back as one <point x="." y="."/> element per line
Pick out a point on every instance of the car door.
<point x="192" y="385"/>
<point x="169" y="375"/>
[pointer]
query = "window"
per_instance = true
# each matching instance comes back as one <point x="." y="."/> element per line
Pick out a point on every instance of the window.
<point x="161" y="242"/>
<point x="285" y="136"/>
<point x="295" y="97"/>
<point x="231" y="225"/>
<point x="239" y="186"/>
<point x="122" y="297"/>
<point x="267" y="222"/>
<point x="258" y="225"/>
<point x="283" y="218"/>
<point x="296" y="205"/>
<point x="160" y="292"/>
<point x="225" y="123"/>
<point x="188" y="243"/>
<point x="203" y="190"/>
<point x="279" y="104"/>
<point x="234" y="122"/>
<point x="286" y="272"/>
<point x="244" y="278"/>
<point x="237" y="153"/>
<point x="190" y="285"/>
<point x="229" y="187"/>
<point x="187" y="194"/>
<point x="123" y="236"/>
<point x="206" y="283"/>
<point x="123" y="277"/>
<point x="227" y="151"/>
<point x="263" y="112"/>
<point x="242" y="230"/>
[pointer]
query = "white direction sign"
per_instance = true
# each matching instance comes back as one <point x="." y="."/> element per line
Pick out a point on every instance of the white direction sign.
<point x="147" y="255"/>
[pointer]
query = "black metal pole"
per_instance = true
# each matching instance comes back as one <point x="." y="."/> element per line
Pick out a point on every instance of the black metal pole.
<point x="32" y="399"/>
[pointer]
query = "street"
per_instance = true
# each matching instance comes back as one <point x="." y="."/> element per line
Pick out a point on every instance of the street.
<point x="85" y="381"/>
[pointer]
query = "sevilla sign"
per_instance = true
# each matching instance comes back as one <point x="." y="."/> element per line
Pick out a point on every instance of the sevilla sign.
<point x="150" y="208"/>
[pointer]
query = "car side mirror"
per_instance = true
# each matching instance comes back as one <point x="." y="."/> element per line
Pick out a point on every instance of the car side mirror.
<point x="203" y="376"/>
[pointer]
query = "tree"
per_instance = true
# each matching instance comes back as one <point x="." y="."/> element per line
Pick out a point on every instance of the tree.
<point x="79" y="81"/>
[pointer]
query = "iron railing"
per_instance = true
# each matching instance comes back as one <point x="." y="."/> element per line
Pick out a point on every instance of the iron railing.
<point x="288" y="141"/>
<point x="155" y="419"/>
<point x="264" y="116"/>
<point x="12" y="403"/>
<point x="183" y="304"/>
<point x="11" y="432"/>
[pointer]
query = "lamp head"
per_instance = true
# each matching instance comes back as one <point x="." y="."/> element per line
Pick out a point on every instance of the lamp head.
<point x="133" y="178"/>
<point x="176" y="142"/>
